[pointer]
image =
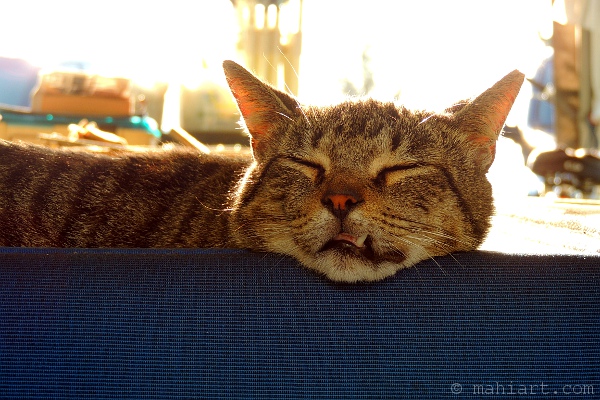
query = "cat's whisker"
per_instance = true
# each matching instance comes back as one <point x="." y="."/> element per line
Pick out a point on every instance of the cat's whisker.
<point x="399" y="251"/>
<point x="288" y="61"/>
<point x="441" y="244"/>
<point x="467" y="241"/>
<point x="421" y="248"/>
<point x="299" y="106"/>
<point x="284" y="115"/>
<point x="424" y="251"/>
<point x="280" y="259"/>
<point x="221" y="210"/>
<point x="456" y="260"/>
<point x="264" y="227"/>
<point x="304" y="114"/>
<point x="439" y="231"/>
<point x="423" y="236"/>
<point x="425" y="119"/>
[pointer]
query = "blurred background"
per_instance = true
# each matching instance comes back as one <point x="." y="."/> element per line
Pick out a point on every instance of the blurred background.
<point x="425" y="54"/>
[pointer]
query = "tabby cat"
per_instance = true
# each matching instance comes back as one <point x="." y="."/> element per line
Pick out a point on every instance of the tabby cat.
<point x="355" y="191"/>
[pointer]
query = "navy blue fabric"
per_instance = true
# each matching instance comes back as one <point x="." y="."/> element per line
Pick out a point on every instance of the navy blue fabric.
<point x="169" y="324"/>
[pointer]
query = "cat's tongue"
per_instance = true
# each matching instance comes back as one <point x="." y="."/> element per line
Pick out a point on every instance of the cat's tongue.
<point x="351" y="239"/>
<point x="359" y="246"/>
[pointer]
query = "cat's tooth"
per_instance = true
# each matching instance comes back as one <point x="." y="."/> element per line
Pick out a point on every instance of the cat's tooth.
<point x="360" y="241"/>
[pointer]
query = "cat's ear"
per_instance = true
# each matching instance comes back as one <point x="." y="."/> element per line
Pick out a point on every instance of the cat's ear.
<point x="481" y="120"/>
<point x="263" y="108"/>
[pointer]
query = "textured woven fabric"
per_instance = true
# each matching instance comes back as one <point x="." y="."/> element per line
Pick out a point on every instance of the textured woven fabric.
<point x="170" y="324"/>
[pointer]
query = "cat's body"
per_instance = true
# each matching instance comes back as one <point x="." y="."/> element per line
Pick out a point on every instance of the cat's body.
<point x="354" y="191"/>
<point x="173" y="198"/>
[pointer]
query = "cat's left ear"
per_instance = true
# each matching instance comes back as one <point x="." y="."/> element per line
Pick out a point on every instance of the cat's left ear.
<point x="482" y="120"/>
<point x="263" y="107"/>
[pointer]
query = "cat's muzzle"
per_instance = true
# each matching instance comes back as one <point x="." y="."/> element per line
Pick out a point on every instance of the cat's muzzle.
<point x="350" y="244"/>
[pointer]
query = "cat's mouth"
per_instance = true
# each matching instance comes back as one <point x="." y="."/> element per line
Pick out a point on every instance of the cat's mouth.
<point x="358" y="246"/>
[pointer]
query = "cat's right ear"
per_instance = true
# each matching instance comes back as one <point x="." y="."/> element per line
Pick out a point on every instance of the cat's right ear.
<point x="263" y="108"/>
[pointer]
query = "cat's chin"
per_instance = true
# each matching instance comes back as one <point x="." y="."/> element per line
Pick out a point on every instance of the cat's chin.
<point x="347" y="266"/>
<point x="350" y="259"/>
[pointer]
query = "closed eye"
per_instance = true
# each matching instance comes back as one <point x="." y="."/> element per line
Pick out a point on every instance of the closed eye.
<point x="389" y="175"/>
<point x="310" y="168"/>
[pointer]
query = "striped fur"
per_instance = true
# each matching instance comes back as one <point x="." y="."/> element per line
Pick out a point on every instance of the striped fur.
<point x="354" y="191"/>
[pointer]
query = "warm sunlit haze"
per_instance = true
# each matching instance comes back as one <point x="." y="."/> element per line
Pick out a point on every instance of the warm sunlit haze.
<point x="427" y="53"/>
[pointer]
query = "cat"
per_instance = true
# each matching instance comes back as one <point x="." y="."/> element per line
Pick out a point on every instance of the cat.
<point x="354" y="191"/>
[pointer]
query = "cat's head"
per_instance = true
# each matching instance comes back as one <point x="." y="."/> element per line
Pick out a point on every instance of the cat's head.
<point x="359" y="190"/>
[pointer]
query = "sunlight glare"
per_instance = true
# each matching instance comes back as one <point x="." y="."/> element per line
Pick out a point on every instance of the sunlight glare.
<point x="148" y="40"/>
<point x="431" y="52"/>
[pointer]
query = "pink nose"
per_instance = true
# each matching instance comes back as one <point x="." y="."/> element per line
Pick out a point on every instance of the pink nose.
<point x="340" y="204"/>
<point x="341" y="201"/>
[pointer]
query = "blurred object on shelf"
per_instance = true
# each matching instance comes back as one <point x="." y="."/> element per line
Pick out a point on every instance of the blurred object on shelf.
<point x="79" y="93"/>
<point x="149" y="99"/>
<point x="185" y="139"/>
<point x="20" y="124"/>
<point x="89" y="130"/>
<point x="208" y="108"/>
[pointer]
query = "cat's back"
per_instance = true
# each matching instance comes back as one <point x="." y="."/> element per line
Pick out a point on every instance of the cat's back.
<point x="64" y="198"/>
